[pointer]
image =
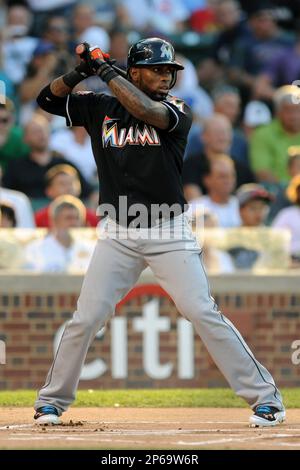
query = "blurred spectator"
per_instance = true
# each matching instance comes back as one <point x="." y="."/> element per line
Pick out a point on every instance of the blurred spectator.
<point x="254" y="202"/>
<point x="290" y="217"/>
<point x="12" y="145"/>
<point x="75" y="145"/>
<point x="187" y="89"/>
<point x="18" y="46"/>
<point x="27" y="174"/>
<point x="216" y="139"/>
<point x="215" y="260"/>
<point x="58" y="251"/>
<point x="269" y="144"/>
<point x="233" y="27"/>
<point x="85" y="28"/>
<point x="56" y="32"/>
<point x="42" y="9"/>
<point x="283" y="69"/>
<point x="256" y="114"/>
<point x="227" y="101"/>
<point x="159" y="16"/>
<point x="40" y="71"/>
<point x="293" y="167"/>
<point x="202" y="15"/>
<point x="210" y="74"/>
<point x="8" y="216"/>
<point x="21" y="204"/>
<point x="11" y="253"/>
<point x="62" y="180"/>
<point x="220" y="182"/>
<point x="108" y="13"/>
<point x="252" y="54"/>
<point x="119" y="47"/>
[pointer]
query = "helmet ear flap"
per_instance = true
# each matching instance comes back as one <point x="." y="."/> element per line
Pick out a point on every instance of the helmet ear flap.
<point x="174" y="78"/>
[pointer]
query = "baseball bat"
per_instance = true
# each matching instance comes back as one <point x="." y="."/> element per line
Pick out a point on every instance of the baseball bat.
<point x="82" y="50"/>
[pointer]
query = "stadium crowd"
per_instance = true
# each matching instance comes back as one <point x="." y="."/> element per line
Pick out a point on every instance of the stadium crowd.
<point x="242" y="161"/>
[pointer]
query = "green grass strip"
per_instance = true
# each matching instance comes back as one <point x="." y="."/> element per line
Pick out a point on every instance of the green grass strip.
<point x="164" y="398"/>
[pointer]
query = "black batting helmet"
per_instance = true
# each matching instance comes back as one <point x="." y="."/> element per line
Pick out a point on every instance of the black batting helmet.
<point x="153" y="51"/>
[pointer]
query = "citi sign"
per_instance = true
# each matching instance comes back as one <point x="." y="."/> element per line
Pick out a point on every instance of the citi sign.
<point x="150" y="324"/>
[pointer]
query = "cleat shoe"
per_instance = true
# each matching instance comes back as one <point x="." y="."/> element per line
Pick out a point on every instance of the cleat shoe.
<point x="266" y="416"/>
<point x="47" y="415"/>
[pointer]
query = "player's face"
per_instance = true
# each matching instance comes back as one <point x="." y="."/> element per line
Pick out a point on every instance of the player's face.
<point x="154" y="80"/>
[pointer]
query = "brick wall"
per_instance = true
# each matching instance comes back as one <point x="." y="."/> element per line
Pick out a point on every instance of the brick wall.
<point x="269" y="321"/>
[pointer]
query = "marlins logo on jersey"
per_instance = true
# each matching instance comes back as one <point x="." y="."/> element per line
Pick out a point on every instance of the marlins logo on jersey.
<point x="112" y="136"/>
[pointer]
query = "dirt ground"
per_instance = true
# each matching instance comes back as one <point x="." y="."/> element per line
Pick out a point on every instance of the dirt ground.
<point x="147" y="428"/>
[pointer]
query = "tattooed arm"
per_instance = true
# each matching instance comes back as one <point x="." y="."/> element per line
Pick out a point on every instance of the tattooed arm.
<point x="139" y="104"/>
<point x="59" y="88"/>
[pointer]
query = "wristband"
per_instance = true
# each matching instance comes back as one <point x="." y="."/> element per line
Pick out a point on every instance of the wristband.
<point x="72" y="78"/>
<point x="106" y="72"/>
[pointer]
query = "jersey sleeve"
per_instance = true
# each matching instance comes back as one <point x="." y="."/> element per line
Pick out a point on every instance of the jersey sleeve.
<point x="180" y="115"/>
<point x="82" y="107"/>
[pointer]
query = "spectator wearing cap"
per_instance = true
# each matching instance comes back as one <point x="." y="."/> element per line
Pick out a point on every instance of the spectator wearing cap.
<point x="269" y="144"/>
<point x="28" y="174"/>
<point x="293" y="167"/>
<point x="12" y="143"/>
<point x="289" y="218"/>
<point x="59" y="251"/>
<point x="254" y="201"/>
<point x="220" y="182"/>
<point x="256" y="114"/>
<point x="61" y="180"/>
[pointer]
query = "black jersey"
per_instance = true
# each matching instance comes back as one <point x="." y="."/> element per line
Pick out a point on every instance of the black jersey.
<point x="134" y="159"/>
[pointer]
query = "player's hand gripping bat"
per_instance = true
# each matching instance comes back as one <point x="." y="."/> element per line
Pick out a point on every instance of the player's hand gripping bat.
<point x="94" y="55"/>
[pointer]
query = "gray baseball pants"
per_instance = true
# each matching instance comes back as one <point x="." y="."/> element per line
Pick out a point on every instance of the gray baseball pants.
<point x="177" y="265"/>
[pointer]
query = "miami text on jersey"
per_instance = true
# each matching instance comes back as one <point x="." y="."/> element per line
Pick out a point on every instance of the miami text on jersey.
<point x="114" y="137"/>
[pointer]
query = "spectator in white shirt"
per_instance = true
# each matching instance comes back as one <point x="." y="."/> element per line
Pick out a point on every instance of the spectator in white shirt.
<point x="58" y="251"/>
<point x="75" y="145"/>
<point x="21" y="205"/>
<point x="220" y="183"/>
<point x="18" y="46"/>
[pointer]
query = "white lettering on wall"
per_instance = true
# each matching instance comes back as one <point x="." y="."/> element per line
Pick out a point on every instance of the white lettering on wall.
<point x="150" y="324"/>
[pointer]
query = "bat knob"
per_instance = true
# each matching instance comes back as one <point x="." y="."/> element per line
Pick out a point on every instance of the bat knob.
<point x="80" y="49"/>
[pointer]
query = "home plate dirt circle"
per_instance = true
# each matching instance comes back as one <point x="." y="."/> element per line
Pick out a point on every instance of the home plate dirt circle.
<point x="147" y="428"/>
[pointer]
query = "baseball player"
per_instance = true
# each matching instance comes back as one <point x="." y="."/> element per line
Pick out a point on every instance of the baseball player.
<point x="138" y="137"/>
